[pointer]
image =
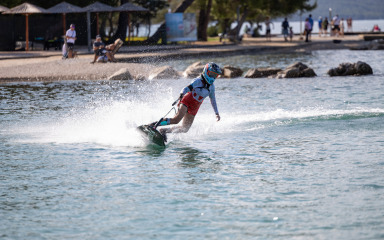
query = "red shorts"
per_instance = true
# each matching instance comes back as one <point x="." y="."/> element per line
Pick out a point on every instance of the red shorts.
<point x="192" y="104"/>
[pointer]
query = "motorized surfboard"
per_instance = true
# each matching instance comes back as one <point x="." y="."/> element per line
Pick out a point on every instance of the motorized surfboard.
<point x="152" y="135"/>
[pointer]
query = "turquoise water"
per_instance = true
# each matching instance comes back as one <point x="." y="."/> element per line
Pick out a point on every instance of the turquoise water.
<point x="290" y="159"/>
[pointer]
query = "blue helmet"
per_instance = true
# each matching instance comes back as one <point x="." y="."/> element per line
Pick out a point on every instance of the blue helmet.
<point x="211" y="72"/>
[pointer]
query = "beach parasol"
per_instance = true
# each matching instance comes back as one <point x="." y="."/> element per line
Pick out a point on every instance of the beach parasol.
<point x="129" y="8"/>
<point x="3" y="9"/>
<point x="26" y="9"/>
<point x="97" y="7"/>
<point x="65" y="8"/>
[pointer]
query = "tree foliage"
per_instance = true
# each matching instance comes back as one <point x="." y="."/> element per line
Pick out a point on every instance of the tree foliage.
<point x="225" y="11"/>
<point x="51" y="3"/>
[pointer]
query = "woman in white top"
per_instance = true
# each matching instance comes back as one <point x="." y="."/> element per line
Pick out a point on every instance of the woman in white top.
<point x="71" y="37"/>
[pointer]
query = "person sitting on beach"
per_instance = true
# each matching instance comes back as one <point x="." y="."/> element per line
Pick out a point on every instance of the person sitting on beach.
<point x="376" y="28"/>
<point x="102" y="53"/>
<point x="191" y="97"/>
<point x="349" y="24"/>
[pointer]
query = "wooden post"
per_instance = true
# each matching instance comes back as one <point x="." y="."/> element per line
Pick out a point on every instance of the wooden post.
<point x="64" y="25"/>
<point x="26" y="33"/>
<point x="97" y="23"/>
<point x="129" y="28"/>
<point x="89" y="31"/>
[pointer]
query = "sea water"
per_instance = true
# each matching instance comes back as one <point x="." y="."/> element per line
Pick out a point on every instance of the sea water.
<point x="290" y="159"/>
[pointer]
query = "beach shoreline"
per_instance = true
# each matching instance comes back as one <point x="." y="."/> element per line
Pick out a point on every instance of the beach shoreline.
<point x="49" y="66"/>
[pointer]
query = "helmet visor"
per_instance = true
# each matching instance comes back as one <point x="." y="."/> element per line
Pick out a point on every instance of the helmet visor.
<point x="212" y="74"/>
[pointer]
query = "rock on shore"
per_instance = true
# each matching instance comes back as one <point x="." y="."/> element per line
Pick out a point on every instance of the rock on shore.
<point x="348" y="69"/>
<point x="165" y="72"/>
<point x="296" y="70"/>
<point x="377" y="44"/>
<point x="194" y="70"/>
<point x="122" y="74"/>
<point x="231" y="72"/>
<point x="261" y="72"/>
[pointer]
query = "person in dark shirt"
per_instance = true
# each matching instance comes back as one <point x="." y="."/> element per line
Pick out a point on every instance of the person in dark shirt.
<point x="101" y="51"/>
<point x="285" y="27"/>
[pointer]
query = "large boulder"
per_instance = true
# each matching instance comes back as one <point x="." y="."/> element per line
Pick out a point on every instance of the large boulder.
<point x="296" y="70"/>
<point x="122" y="74"/>
<point x="194" y="70"/>
<point x="165" y="72"/>
<point x="261" y="72"/>
<point x="348" y="69"/>
<point x="377" y="44"/>
<point x="231" y="72"/>
<point x="140" y="77"/>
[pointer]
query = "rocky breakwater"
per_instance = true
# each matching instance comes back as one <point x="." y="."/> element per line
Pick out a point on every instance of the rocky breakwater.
<point x="351" y="69"/>
<point x="262" y="72"/>
<point x="295" y="70"/>
<point x="377" y="44"/>
<point x="165" y="72"/>
<point x="194" y="70"/>
<point x="231" y="72"/>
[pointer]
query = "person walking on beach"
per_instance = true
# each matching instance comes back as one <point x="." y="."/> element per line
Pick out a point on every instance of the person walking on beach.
<point x="310" y="22"/>
<point x="320" y="24"/>
<point x="191" y="97"/>
<point x="325" y="26"/>
<point x="290" y="34"/>
<point x="308" y="29"/>
<point x="71" y="38"/>
<point x="336" y="25"/>
<point x="285" y="26"/>
<point x="341" y="27"/>
<point x="268" y="24"/>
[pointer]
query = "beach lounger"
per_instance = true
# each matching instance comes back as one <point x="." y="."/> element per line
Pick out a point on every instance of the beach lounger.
<point x="118" y="43"/>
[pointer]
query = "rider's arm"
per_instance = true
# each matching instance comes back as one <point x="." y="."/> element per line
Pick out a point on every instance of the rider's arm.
<point x="212" y="97"/>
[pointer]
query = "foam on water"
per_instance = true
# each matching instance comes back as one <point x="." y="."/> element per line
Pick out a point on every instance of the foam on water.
<point x="115" y="124"/>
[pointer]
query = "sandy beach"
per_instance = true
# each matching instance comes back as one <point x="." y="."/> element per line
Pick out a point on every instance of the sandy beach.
<point x="49" y="66"/>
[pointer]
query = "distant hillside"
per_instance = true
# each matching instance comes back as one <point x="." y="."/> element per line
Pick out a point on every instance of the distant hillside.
<point x="357" y="9"/>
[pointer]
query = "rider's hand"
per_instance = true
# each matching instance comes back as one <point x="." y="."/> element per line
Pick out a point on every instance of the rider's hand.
<point x="217" y="117"/>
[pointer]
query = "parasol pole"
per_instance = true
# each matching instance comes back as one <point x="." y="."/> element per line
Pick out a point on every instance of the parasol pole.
<point x="64" y="24"/>
<point x="97" y="23"/>
<point x="129" y="28"/>
<point x="89" y="31"/>
<point x="26" y="33"/>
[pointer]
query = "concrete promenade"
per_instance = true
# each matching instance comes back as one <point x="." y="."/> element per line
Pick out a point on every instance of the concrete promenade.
<point x="48" y="65"/>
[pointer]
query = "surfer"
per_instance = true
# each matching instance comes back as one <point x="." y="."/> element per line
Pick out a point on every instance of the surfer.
<point x="191" y="97"/>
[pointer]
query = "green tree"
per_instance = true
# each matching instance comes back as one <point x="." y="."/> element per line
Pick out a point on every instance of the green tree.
<point x="239" y="11"/>
<point x="204" y="17"/>
<point x="161" y="31"/>
<point x="154" y="6"/>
